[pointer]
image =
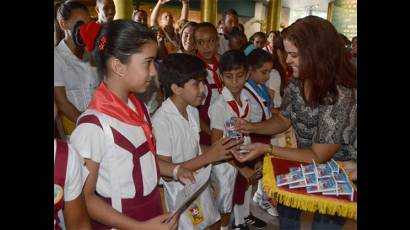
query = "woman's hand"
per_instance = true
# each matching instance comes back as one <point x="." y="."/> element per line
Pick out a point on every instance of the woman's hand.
<point x="255" y="150"/>
<point x="243" y="125"/>
<point x="161" y="222"/>
<point x="351" y="169"/>
<point x="185" y="176"/>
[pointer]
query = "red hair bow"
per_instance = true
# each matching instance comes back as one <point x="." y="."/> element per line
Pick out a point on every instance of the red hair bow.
<point x="89" y="32"/>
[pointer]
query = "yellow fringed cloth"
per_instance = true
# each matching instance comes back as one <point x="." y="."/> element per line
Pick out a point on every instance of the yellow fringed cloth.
<point x="299" y="198"/>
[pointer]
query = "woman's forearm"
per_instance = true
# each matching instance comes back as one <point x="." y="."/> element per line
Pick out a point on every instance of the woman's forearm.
<point x="274" y="125"/>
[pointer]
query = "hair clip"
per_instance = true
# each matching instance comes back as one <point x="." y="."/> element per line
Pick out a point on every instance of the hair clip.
<point x="101" y="46"/>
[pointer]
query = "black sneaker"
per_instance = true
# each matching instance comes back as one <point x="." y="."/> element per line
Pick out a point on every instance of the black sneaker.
<point x="254" y="221"/>
<point x="240" y="227"/>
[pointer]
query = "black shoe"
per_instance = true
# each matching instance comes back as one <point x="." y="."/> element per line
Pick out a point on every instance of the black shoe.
<point x="240" y="227"/>
<point x="254" y="221"/>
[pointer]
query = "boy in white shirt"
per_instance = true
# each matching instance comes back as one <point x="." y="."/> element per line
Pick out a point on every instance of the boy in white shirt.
<point x="232" y="189"/>
<point x="176" y="128"/>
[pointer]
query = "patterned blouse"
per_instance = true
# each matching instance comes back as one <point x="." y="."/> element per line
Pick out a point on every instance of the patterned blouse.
<point x="323" y="124"/>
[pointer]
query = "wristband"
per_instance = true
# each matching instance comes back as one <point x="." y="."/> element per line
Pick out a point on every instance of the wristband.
<point x="175" y="172"/>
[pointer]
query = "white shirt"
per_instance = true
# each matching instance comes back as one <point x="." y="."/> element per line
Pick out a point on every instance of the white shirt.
<point x="90" y="141"/>
<point x="78" y="77"/>
<point x="76" y="175"/>
<point x="274" y="84"/>
<point x="210" y="79"/>
<point x="256" y="113"/>
<point x="223" y="44"/>
<point x="176" y="137"/>
<point x="220" y="111"/>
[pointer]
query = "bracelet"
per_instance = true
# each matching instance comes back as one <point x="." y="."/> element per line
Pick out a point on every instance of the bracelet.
<point x="270" y="151"/>
<point x="175" y="172"/>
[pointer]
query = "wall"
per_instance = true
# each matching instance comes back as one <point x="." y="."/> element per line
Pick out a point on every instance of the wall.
<point x="345" y="17"/>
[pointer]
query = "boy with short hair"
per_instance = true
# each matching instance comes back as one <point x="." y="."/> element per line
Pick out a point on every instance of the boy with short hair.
<point x="233" y="189"/>
<point x="176" y="128"/>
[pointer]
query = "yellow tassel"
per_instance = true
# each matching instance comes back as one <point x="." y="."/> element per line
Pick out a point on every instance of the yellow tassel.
<point x="304" y="202"/>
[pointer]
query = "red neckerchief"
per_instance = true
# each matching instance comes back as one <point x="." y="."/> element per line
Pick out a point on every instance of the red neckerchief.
<point x="106" y="102"/>
<point x="214" y="71"/>
<point x="235" y="108"/>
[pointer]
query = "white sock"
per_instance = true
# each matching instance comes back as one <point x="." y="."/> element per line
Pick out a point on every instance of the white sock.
<point x="224" y="227"/>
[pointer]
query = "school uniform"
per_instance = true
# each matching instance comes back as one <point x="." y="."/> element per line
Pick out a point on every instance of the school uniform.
<point x="261" y="110"/>
<point x="118" y="136"/>
<point x="69" y="178"/>
<point x="178" y="138"/>
<point x="77" y="76"/>
<point x="223" y="174"/>
<point x="213" y="88"/>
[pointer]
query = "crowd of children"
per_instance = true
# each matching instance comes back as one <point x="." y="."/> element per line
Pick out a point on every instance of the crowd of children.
<point x="112" y="76"/>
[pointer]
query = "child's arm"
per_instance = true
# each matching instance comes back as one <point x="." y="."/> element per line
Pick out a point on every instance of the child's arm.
<point x="75" y="214"/>
<point x="166" y="168"/>
<point x="64" y="105"/>
<point x="185" y="10"/>
<point x="154" y="14"/>
<point x="103" y="213"/>
<point x="219" y="151"/>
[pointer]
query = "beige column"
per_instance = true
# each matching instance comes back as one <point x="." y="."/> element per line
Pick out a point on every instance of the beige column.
<point x="123" y="9"/>
<point x="209" y="11"/>
<point x="273" y="18"/>
<point x="330" y="11"/>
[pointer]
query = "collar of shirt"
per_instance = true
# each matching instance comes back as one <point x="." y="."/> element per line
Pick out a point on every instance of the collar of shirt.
<point x="169" y="107"/>
<point x="227" y="95"/>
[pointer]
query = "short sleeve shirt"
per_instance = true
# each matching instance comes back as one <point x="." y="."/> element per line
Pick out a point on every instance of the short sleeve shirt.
<point x="175" y="136"/>
<point x="323" y="124"/>
<point x="79" y="78"/>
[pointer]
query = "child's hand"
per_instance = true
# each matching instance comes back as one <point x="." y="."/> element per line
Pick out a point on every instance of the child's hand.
<point x="351" y="168"/>
<point x="243" y="125"/>
<point x="221" y="150"/>
<point x="184" y="1"/>
<point x="161" y="222"/>
<point x="185" y="176"/>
